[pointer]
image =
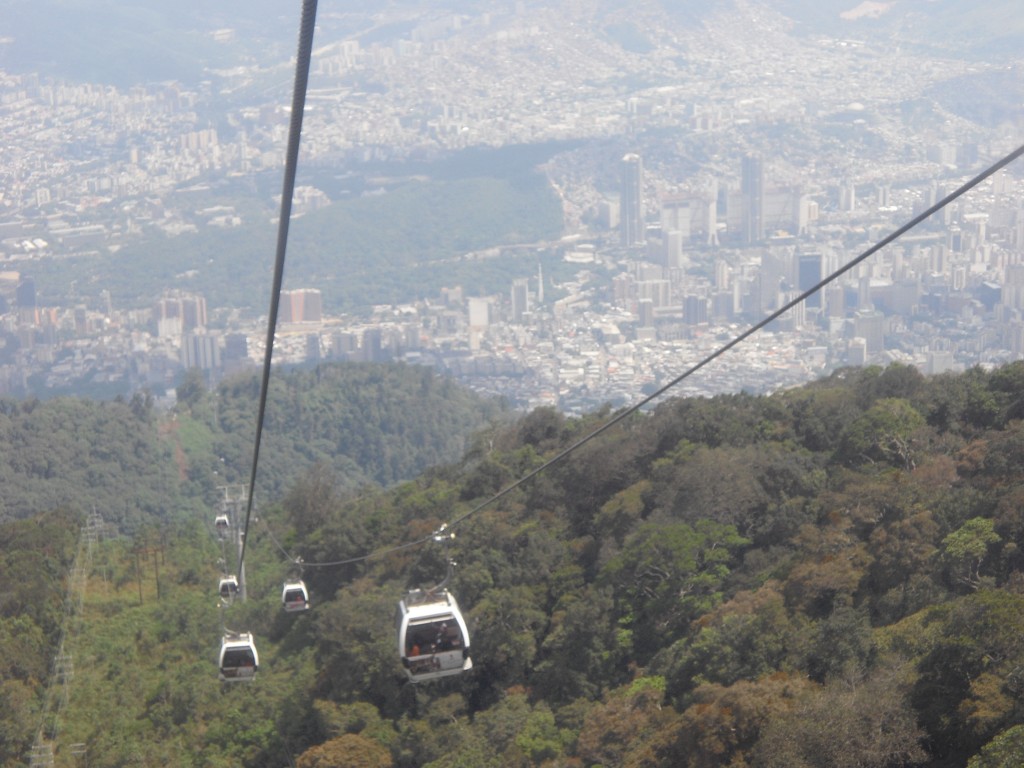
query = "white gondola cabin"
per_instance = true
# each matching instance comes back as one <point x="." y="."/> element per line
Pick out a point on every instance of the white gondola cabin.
<point x="228" y="587"/>
<point x="295" y="596"/>
<point x="238" y="658"/>
<point x="433" y="640"/>
<point x="221" y="523"/>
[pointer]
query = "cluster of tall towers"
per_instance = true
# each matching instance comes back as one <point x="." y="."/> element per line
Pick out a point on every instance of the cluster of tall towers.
<point x="747" y="213"/>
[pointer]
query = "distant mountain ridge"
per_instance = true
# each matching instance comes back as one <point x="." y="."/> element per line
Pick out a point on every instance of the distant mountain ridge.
<point x="125" y="44"/>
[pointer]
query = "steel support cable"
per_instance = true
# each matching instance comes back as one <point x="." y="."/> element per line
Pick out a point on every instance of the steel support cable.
<point x="564" y="453"/>
<point x="288" y="189"/>
<point x="963" y="188"/>
<point x="370" y="555"/>
<point x="279" y="545"/>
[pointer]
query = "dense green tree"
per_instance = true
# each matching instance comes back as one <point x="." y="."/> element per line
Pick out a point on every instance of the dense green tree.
<point x="583" y="651"/>
<point x="668" y="574"/>
<point x="706" y="584"/>
<point x="510" y="623"/>
<point x="856" y="723"/>
<point x="312" y="501"/>
<point x="754" y="488"/>
<point x="884" y="433"/>
<point x="834" y="563"/>
<point x="904" y="550"/>
<point x="966" y="549"/>
<point x="628" y="717"/>
<point x="747" y="637"/>
<point x="382" y="423"/>
<point x="356" y="648"/>
<point x="541" y="428"/>
<point x="1004" y="751"/>
<point x="192" y="390"/>
<point x="968" y="687"/>
<point x="894" y="381"/>
<point x="722" y="724"/>
<point x="821" y="413"/>
<point x="347" y="751"/>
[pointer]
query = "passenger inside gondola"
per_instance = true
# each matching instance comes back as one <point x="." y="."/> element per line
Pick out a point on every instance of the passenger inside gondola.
<point x="433" y="637"/>
<point x="235" y="658"/>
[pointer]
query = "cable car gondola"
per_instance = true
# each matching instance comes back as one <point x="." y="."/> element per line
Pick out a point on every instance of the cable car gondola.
<point x="238" y="658"/>
<point x="294" y="596"/>
<point x="433" y="641"/>
<point x="221" y="523"/>
<point x="228" y="587"/>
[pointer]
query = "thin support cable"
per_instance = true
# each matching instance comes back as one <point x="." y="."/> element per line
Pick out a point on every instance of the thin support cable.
<point x="371" y="555"/>
<point x="963" y="188"/>
<point x="288" y="190"/>
<point x="287" y="555"/>
<point x="959" y="191"/>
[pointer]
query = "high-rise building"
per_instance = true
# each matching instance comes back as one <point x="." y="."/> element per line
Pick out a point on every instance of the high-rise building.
<point x="373" y="345"/>
<point x="672" y="241"/>
<point x="480" y="312"/>
<point x="752" y="188"/>
<point x="301" y="306"/>
<point x="677" y="213"/>
<point x="835" y="301"/>
<point x="870" y="326"/>
<point x="710" y="205"/>
<point x="25" y="298"/>
<point x="809" y="275"/>
<point x="193" y="312"/>
<point x="313" y="346"/>
<point x="200" y="350"/>
<point x="631" y="221"/>
<point x="645" y="313"/>
<point x="520" y="299"/>
<point x="186" y="309"/>
<point x="343" y="345"/>
<point x="1012" y="294"/>
<point x="695" y="310"/>
<point x="658" y="291"/>
<point x="857" y="352"/>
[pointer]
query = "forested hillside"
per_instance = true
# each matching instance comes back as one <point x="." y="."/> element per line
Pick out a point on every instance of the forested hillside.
<point x="370" y="424"/>
<point x="396" y="247"/>
<point x="828" y="576"/>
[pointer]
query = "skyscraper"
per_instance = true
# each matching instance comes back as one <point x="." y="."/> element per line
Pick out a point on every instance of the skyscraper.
<point x="176" y="312"/>
<point x="520" y="299"/>
<point x="752" y="187"/>
<point x="631" y="212"/>
<point x="301" y="306"/>
<point x="200" y="350"/>
<point x="809" y="275"/>
<point x="25" y="297"/>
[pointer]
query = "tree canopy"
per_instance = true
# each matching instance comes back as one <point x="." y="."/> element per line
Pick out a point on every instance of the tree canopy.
<point x="830" y="575"/>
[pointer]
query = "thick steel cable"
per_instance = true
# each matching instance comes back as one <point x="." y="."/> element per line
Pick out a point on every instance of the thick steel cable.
<point x="288" y="189"/>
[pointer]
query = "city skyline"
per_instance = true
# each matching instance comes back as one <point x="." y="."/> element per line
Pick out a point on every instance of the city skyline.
<point x="733" y="197"/>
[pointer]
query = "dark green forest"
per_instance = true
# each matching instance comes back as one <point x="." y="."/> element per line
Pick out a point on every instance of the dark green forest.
<point x="396" y="247"/>
<point x="826" y="576"/>
<point x="368" y="424"/>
